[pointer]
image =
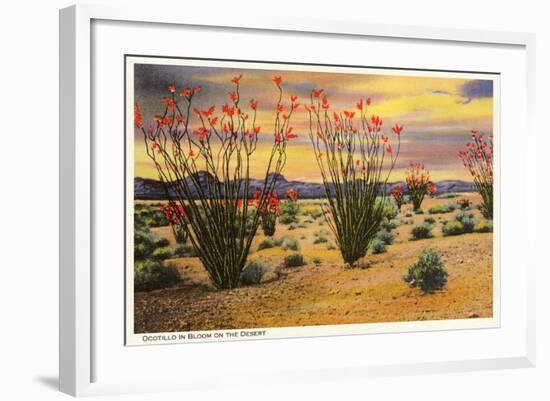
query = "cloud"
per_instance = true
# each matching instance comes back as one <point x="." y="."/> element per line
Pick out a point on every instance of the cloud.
<point x="477" y="89"/>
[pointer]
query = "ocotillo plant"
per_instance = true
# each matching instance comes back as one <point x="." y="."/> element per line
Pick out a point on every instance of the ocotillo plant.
<point x="478" y="159"/>
<point x="268" y="211"/>
<point x="398" y="196"/>
<point x="418" y="183"/>
<point x="204" y="162"/>
<point x="355" y="159"/>
<point x="171" y="213"/>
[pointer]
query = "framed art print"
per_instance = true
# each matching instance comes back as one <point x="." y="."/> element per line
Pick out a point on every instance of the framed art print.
<point x="271" y="200"/>
<point x="289" y="215"/>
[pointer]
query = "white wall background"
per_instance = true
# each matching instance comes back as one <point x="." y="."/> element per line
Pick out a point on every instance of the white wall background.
<point x="29" y="186"/>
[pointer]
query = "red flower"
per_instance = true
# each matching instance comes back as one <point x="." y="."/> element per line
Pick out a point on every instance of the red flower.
<point x="201" y="132"/>
<point x="293" y="98"/>
<point x="295" y="106"/>
<point x="253" y="104"/>
<point x="197" y="89"/>
<point x="349" y="114"/>
<point x="209" y="112"/>
<point x="325" y="102"/>
<point x="236" y="80"/>
<point x="397" y="129"/>
<point x="172" y="88"/>
<point x="169" y="103"/>
<point x="388" y="148"/>
<point x="137" y="116"/>
<point x="431" y="188"/>
<point x="233" y="96"/>
<point x="257" y="130"/>
<point x="278" y="80"/>
<point x="289" y="134"/>
<point x="360" y="104"/>
<point x="292" y="194"/>
<point x="185" y="92"/>
<point x="179" y="119"/>
<point x="280" y="108"/>
<point x="168" y="120"/>
<point x="316" y="93"/>
<point x="230" y="111"/>
<point x="277" y="138"/>
<point x="368" y="101"/>
<point x="214" y="121"/>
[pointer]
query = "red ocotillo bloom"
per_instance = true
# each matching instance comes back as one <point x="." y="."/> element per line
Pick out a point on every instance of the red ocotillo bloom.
<point x="355" y="159"/>
<point x="204" y="162"/>
<point x="398" y="195"/>
<point x="478" y="159"/>
<point x="418" y="183"/>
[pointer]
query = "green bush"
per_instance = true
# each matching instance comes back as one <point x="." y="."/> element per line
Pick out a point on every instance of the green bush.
<point x="390" y="210"/>
<point x="429" y="220"/>
<point x="321" y="239"/>
<point x="378" y="246"/>
<point x="484" y="226"/>
<point x="266" y="244"/>
<point x="291" y="227"/>
<point x="445" y="208"/>
<point x="144" y="243"/>
<point x="316" y="261"/>
<point x="290" y="243"/>
<point x="428" y="272"/>
<point x="418" y="211"/>
<point x="294" y="260"/>
<point x="453" y="227"/>
<point x="467" y="220"/>
<point x="390" y="224"/>
<point x="287" y="219"/>
<point x="408" y="214"/>
<point x="253" y="273"/>
<point x="162" y="253"/>
<point x="314" y="213"/>
<point x="162" y="242"/>
<point x="387" y="237"/>
<point x="420" y="231"/>
<point x="153" y="274"/>
<point x="331" y="246"/>
<point x="185" y="250"/>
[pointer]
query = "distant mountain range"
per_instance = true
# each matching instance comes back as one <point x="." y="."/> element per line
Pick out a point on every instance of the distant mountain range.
<point x="149" y="189"/>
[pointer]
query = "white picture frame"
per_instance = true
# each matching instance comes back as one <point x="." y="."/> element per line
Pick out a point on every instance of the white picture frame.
<point x="78" y="348"/>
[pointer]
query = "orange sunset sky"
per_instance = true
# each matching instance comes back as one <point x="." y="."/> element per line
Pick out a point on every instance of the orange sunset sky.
<point x="438" y="113"/>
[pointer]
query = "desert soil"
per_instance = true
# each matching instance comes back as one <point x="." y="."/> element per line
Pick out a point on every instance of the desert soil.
<point x="330" y="293"/>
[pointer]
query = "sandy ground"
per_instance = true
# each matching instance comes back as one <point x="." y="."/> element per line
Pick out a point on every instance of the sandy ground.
<point x="330" y="293"/>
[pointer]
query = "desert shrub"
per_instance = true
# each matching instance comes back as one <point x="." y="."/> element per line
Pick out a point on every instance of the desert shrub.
<point x="464" y="204"/>
<point x="290" y="243"/>
<point x="453" y="227"/>
<point x="162" y="242"/>
<point x="185" y="250"/>
<point x="408" y="214"/>
<point x="294" y="260"/>
<point x="467" y="220"/>
<point x="316" y="261"/>
<point x="253" y="273"/>
<point x="153" y="274"/>
<point x="390" y="210"/>
<point x="484" y="226"/>
<point x="447" y="195"/>
<point x="390" y="224"/>
<point x="162" y="253"/>
<point x="445" y="208"/>
<point x="266" y="244"/>
<point x="144" y="243"/>
<point x="291" y="227"/>
<point x="331" y="246"/>
<point x="418" y="211"/>
<point x="321" y="239"/>
<point x="313" y="213"/>
<point x="302" y="225"/>
<point x="287" y="219"/>
<point x="378" y="246"/>
<point x="420" y="231"/>
<point x="387" y="237"/>
<point x="428" y="272"/>
<point x="429" y="220"/>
